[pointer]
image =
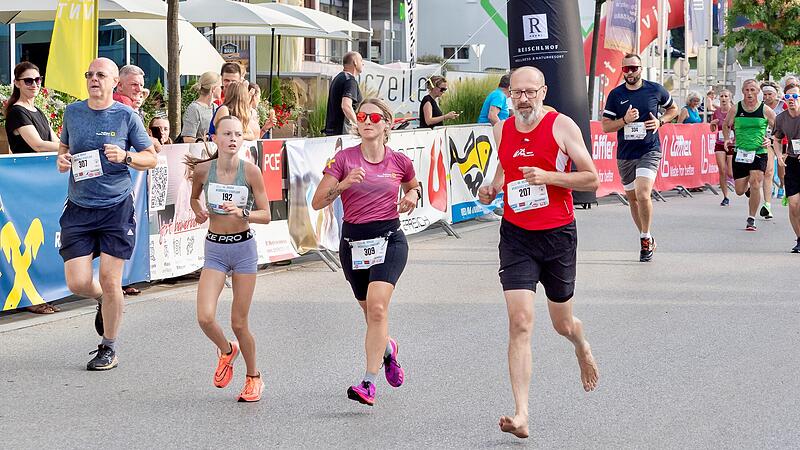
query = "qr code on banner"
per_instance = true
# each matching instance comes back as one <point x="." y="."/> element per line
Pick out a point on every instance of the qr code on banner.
<point x="157" y="185"/>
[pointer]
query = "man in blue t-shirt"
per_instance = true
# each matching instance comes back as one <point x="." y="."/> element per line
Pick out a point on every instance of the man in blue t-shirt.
<point x="495" y="107"/>
<point x="632" y="111"/>
<point x="100" y="140"/>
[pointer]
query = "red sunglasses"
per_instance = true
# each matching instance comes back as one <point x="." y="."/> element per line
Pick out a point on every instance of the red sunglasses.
<point x="373" y="117"/>
<point x="630" y="69"/>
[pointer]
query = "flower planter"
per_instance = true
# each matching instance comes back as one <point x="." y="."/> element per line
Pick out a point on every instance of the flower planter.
<point x="4" y="149"/>
<point x="286" y="131"/>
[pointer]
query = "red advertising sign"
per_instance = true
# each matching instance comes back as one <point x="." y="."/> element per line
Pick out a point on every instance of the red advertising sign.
<point x="688" y="158"/>
<point x="272" y="168"/>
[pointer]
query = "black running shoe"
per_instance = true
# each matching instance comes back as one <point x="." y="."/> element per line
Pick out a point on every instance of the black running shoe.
<point x="648" y="248"/>
<point x="764" y="212"/>
<point x="104" y="359"/>
<point x="796" y="248"/>
<point x="751" y="224"/>
<point x="98" y="321"/>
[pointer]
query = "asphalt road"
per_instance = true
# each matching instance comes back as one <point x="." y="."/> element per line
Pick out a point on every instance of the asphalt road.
<point x="697" y="349"/>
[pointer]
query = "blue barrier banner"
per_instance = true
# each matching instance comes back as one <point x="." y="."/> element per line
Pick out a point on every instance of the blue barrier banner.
<point x="32" y="196"/>
<point x="138" y="268"/>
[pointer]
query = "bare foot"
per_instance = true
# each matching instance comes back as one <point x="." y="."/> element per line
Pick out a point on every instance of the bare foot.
<point x="517" y="425"/>
<point x="589" y="372"/>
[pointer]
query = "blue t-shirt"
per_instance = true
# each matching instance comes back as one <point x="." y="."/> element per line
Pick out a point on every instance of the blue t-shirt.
<point x="646" y="99"/>
<point x="497" y="99"/>
<point x="86" y="129"/>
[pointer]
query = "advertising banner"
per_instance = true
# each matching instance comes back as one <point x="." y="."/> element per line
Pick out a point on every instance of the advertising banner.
<point x="401" y="88"/>
<point x="604" y="154"/>
<point x="176" y="239"/>
<point x="473" y="163"/>
<point x="686" y="161"/>
<point x="688" y="158"/>
<point x="546" y="34"/>
<point x="621" y="23"/>
<point x="431" y="161"/>
<point x="313" y="230"/>
<point x="32" y="196"/>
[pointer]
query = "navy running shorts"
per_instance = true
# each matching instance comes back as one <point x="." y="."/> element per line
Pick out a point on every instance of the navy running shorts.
<point x="528" y="257"/>
<point x="396" y="255"/>
<point x="91" y="231"/>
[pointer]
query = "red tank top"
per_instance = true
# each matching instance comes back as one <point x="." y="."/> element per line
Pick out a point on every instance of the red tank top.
<point x="537" y="148"/>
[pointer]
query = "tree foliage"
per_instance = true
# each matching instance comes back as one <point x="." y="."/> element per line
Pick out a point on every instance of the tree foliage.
<point x="772" y="38"/>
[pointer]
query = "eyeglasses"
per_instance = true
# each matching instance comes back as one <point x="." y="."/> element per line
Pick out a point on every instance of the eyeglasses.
<point x="373" y="117"/>
<point x="29" y="81"/>
<point x="100" y="75"/>
<point x="630" y="69"/>
<point x="791" y="96"/>
<point x="442" y="89"/>
<point x="529" y="93"/>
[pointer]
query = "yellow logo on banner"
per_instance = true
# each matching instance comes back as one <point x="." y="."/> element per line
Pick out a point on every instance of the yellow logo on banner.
<point x="73" y="46"/>
<point x="21" y="261"/>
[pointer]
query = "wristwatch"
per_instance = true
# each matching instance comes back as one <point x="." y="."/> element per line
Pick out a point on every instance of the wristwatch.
<point x="128" y="158"/>
<point x="245" y="213"/>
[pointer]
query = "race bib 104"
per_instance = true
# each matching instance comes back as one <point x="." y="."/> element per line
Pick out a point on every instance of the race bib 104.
<point x="635" y="131"/>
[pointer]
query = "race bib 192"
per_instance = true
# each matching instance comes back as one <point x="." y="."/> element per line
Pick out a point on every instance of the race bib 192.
<point x="219" y="194"/>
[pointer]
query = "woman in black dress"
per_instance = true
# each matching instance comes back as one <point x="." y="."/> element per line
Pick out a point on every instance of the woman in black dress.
<point x="28" y="130"/>
<point x="430" y="114"/>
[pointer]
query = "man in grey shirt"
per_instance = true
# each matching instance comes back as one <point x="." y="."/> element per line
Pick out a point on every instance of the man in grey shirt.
<point x="787" y="125"/>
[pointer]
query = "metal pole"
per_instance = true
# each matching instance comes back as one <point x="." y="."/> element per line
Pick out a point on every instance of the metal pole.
<point x="369" y="21"/>
<point x="350" y="19"/>
<point x="127" y="47"/>
<point x="12" y="51"/>
<point x="595" y="39"/>
<point x="253" y="64"/>
<point x="662" y="41"/>
<point x="271" y="53"/>
<point x="278" y="68"/>
<point x="391" y="30"/>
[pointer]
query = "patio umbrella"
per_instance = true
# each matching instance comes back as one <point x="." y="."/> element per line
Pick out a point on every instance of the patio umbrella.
<point x="197" y="55"/>
<point x="322" y="20"/>
<point x="226" y="12"/>
<point x="20" y="11"/>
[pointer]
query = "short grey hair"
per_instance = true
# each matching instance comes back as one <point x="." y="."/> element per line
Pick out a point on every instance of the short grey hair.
<point x="130" y="69"/>
<point x="692" y="95"/>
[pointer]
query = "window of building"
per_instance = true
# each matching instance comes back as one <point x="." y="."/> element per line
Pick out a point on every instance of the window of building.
<point x="5" y="54"/>
<point x="450" y="52"/>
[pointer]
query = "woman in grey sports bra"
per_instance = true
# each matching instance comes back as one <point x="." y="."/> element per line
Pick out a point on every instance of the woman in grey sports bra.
<point x="235" y="196"/>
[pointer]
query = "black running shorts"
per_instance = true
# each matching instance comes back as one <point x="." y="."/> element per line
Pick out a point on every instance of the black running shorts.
<point x="388" y="271"/>
<point x="792" y="178"/>
<point x="91" y="231"/>
<point x="528" y="257"/>
<point x="742" y="170"/>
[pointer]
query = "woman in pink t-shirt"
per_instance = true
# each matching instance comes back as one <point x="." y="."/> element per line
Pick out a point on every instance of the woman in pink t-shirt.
<point x="724" y="155"/>
<point x="373" y="249"/>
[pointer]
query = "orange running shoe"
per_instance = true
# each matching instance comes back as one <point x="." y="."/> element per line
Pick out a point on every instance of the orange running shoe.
<point x="253" y="387"/>
<point x="224" y="373"/>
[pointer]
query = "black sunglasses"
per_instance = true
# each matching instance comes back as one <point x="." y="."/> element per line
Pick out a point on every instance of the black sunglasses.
<point x="30" y="80"/>
<point x="442" y="89"/>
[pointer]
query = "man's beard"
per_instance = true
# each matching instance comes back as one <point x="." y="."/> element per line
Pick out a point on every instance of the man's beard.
<point x="530" y="117"/>
<point x="635" y="80"/>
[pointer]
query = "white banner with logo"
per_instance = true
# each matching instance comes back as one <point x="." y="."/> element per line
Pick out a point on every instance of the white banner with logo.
<point x="401" y="87"/>
<point x="428" y="151"/>
<point x="473" y="163"/>
<point x="312" y="230"/>
<point x="176" y="239"/>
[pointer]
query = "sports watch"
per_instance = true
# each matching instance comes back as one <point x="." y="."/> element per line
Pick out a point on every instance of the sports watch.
<point x="128" y="158"/>
<point x="245" y="213"/>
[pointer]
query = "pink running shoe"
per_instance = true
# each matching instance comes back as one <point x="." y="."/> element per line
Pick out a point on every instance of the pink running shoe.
<point x="363" y="393"/>
<point x="394" y="373"/>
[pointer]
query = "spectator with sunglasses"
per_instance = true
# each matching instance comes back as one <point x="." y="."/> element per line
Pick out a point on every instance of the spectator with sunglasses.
<point x="26" y="125"/>
<point x="631" y="110"/>
<point x="430" y="114"/>
<point x="28" y="130"/>
<point x="787" y="127"/>
<point x="373" y="249"/>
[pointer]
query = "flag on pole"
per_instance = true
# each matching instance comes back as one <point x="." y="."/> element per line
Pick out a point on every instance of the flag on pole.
<point x="73" y="46"/>
<point x="621" y="25"/>
<point x="411" y="22"/>
<point x="697" y="32"/>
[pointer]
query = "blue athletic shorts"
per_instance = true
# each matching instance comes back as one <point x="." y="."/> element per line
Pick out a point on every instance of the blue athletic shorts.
<point x="231" y="253"/>
<point x="91" y="231"/>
